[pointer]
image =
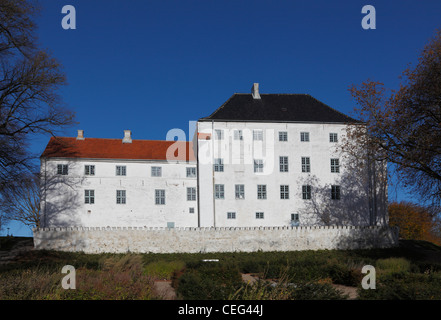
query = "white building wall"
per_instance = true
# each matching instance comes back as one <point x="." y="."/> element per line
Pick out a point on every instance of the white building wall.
<point x="239" y="169"/>
<point x="63" y="200"/>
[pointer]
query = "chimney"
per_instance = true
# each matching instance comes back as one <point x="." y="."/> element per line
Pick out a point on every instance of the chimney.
<point x="80" y="135"/>
<point x="127" y="136"/>
<point x="255" y="91"/>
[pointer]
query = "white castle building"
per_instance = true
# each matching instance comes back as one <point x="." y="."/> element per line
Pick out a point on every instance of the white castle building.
<point x="259" y="160"/>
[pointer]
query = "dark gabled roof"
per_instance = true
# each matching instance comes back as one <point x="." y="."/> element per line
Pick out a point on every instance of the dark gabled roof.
<point x="277" y="108"/>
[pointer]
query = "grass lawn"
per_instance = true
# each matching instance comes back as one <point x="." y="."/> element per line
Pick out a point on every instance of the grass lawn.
<point x="411" y="271"/>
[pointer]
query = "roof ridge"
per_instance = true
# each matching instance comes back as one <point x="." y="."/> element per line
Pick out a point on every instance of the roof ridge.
<point x="88" y="138"/>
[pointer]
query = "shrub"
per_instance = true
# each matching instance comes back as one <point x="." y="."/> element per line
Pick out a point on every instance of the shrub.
<point x="392" y="265"/>
<point x="163" y="270"/>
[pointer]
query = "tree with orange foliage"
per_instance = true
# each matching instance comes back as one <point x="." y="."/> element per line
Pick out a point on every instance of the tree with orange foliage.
<point x="415" y="222"/>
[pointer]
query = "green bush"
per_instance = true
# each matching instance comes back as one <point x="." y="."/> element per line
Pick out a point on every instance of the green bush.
<point x="392" y="265"/>
<point x="163" y="270"/>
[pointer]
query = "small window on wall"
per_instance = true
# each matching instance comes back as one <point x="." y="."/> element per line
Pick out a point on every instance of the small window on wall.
<point x="258" y="135"/>
<point x="156" y="171"/>
<point x="191" y="172"/>
<point x="231" y="215"/>
<point x="304" y="136"/>
<point x="238" y="135"/>
<point x="89" y="196"/>
<point x="89" y="170"/>
<point x="283" y="136"/>
<point x="191" y="194"/>
<point x="191" y="210"/>
<point x="333" y="137"/>
<point x="120" y="196"/>
<point x="62" y="169"/>
<point x="121" y="170"/>
<point x="259" y="215"/>
<point x="159" y="196"/>
<point x="306" y="192"/>
<point x="295" y="220"/>
<point x="219" y="134"/>
<point x="335" y="192"/>
<point x="240" y="191"/>
<point x="219" y="165"/>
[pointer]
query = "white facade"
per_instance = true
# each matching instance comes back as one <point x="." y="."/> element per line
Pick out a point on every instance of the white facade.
<point x="245" y="174"/>
<point x="66" y="199"/>
<point x="283" y="175"/>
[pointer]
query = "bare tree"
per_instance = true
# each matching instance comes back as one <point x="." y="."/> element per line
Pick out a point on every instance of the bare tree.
<point x="21" y="200"/>
<point x="29" y="82"/>
<point x="403" y="127"/>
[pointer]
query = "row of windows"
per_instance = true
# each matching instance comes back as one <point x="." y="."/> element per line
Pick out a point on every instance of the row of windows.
<point x="258" y="135"/>
<point x="89" y="170"/>
<point x="121" y="196"/>
<point x="219" y="192"/>
<point x="261" y="215"/>
<point x="283" y="165"/>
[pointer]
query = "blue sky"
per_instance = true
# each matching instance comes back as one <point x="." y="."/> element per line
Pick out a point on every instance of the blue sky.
<point x="151" y="66"/>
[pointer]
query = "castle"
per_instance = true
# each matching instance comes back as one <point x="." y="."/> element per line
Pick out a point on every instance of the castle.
<point x="258" y="161"/>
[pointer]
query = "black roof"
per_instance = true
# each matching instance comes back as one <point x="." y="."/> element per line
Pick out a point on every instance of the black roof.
<point x="277" y="108"/>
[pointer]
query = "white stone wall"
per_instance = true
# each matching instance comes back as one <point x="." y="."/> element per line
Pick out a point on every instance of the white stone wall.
<point x="63" y="199"/>
<point x="238" y="156"/>
<point x="193" y="240"/>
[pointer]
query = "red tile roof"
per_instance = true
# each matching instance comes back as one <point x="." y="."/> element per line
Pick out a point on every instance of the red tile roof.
<point x="96" y="148"/>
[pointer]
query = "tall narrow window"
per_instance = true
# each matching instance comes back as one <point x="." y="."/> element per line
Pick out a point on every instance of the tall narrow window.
<point x="120" y="196"/>
<point x="258" y="165"/>
<point x="258" y="135"/>
<point x="89" y="170"/>
<point x="335" y="166"/>
<point x="259" y="215"/>
<point x="335" y="192"/>
<point x="333" y="137"/>
<point x="283" y="136"/>
<point x="261" y="191"/>
<point x="283" y="164"/>
<point x="306" y="192"/>
<point x="238" y="135"/>
<point x="191" y="194"/>
<point x="191" y="172"/>
<point x="219" y="191"/>
<point x="159" y="196"/>
<point x="62" y="169"/>
<point x="89" y="196"/>
<point x="219" y="165"/>
<point x="304" y="136"/>
<point x="284" y="192"/>
<point x="121" y="170"/>
<point x="219" y="134"/>
<point x="240" y="191"/>
<point x="306" y="164"/>
<point x="156" y="171"/>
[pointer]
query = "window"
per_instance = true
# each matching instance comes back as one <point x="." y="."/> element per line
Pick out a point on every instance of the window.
<point x="335" y="166"/>
<point x="304" y="136"/>
<point x="335" y="192"/>
<point x="306" y="192"/>
<point x="120" y="196"/>
<point x="295" y="220"/>
<point x="258" y="165"/>
<point x="283" y="164"/>
<point x="238" y="135"/>
<point x="284" y="192"/>
<point x="306" y="164"/>
<point x="258" y="135"/>
<point x="259" y="215"/>
<point x="120" y="170"/>
<point x="62" y="169"/>
<point x="156" y="171"/>
<point x="191" y="194"/>
<point x="261" y="191"/>
<point x="191" y="210"/>
<point x="89" y="170"/>
<point x="219" y="134"/>
<point x="89" y="196"/>
<point x="219" y="165"/>
<point x="191" y="172"/>
<point x="283" y="136"/>
<point x="219" y="191"/>
<point x="333" y="137"/>
<point x="231" y="215"/>
<point x="159" y="196"/>
<point x="240" y="191"/>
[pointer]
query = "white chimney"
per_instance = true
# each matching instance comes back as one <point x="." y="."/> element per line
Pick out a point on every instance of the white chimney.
<point x="255" y="91"/>
<point x="80" y="135"/>
<point x="127" y="136"/>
